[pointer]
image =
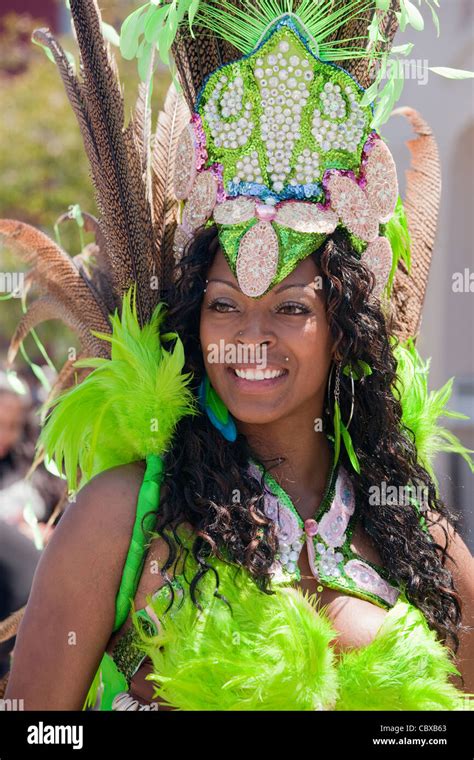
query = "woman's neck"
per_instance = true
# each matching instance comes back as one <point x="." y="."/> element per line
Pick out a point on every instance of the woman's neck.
<point x="307" y="457"/>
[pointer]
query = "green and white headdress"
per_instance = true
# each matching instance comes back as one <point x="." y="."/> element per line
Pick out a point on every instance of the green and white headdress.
<point x="283" y="145"/>
<point x="280" y="151"/>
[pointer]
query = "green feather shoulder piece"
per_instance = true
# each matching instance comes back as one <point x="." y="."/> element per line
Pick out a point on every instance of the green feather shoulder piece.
<point x="127" y="407"/>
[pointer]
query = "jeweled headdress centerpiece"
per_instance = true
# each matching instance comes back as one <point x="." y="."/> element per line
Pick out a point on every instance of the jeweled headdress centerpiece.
<point x="278" y="154"/>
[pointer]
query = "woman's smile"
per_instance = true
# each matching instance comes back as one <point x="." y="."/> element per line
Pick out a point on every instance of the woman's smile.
<point x="255" y="379"/>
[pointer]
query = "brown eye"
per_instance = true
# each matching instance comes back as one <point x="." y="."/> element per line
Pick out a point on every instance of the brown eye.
<point x="220" y="306"/>
<point x="292" y="307"/>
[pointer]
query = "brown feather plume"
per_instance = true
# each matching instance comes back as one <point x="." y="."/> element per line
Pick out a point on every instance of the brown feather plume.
<point x="353" y="33"/>
<point x="198" y="57"/>
<point x="171" y="121"/>
<point x="423" y="195"/>
<point x="112" y="152"/>
<point x="68" y="296"/>
<point x="125" y="212"/>
<point x="93" y="263"/>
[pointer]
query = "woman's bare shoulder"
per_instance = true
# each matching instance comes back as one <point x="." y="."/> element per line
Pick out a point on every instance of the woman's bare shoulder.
<point x="72" y="600"/>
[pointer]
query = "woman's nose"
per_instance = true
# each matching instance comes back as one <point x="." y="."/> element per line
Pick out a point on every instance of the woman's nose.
<point x="256" y="330"/>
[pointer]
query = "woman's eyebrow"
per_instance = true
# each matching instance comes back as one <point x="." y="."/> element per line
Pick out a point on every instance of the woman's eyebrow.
<point x="293" y="285"/>
<point x="224" y="282"/>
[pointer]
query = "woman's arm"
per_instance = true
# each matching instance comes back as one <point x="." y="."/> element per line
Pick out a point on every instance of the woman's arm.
<point x="71" y="609"/>
<point x="462" y="568"/>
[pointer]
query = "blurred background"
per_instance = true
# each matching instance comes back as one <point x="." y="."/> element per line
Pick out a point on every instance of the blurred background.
<point x="45" y="177"/>
<point x="44" y="182"/>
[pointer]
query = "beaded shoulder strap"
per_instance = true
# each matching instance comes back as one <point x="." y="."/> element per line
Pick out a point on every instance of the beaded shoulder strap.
<point x="328" y="541"/>
<point x="147" y="508"/>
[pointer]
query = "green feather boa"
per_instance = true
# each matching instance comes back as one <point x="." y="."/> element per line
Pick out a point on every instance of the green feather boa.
<point x="274" y="652"/>
<point x="127" y="407"/>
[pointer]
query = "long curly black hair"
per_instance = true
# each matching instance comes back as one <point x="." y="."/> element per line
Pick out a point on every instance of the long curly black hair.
<point x="203" y="469"/>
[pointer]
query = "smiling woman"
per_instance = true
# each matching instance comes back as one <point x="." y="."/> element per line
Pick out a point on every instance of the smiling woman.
<point x="231" y="544"/>
<point x="289" y="327"/>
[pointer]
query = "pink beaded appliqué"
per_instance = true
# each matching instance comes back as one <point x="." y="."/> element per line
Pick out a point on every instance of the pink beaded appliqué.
<point x="235" y="211"/>
<point x="326" y="560"/>
<point x="306" y="217"/>
<point x="333" y="525"/>
<point x="367" y="578"/>
<point x="349" y="200"/>
<point x="380" y="175"/>
<point x="378" y="257"/>
<point x="201" y="201"/>
<point x="257" y="259"/>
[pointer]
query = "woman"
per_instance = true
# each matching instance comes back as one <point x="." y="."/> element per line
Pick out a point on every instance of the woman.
<point x="300" y="325"/>
<point x="218" y="609"/>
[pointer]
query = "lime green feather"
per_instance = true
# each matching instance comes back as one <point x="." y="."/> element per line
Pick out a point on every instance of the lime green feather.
<point x="405" y="667"/>
<point x="272" y="653"/>
<point x="93" y="695"/>
<point x="398" y="235"/>
<point x="422" y="409"/>
<point x="244" y="25"/>
<point x="275" y="652"/>
<point x="127" y="407"/>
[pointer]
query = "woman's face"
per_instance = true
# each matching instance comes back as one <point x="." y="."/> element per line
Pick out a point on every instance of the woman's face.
<point x="244" y="340"/>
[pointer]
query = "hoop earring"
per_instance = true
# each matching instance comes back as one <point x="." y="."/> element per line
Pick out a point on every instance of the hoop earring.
<point x="339" y="427"/>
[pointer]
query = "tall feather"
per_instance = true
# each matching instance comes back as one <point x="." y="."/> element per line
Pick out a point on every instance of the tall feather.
<point x="171" y="121"/>
<point x="423" y="195"/>
<point x="112" y="152"/>
<point x="125" y="212"/>
<point x="68" y="296"/>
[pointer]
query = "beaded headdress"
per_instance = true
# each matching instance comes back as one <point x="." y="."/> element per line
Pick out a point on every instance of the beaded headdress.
<point x="280" y="152"/>
<point x="283" y="144"/>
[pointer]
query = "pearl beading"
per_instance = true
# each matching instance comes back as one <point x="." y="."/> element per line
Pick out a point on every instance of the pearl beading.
<point x="227" y="98"/>
<point x="277" y="124"/>
<point x="338" y="135"/>
<point x="284" y="90"/>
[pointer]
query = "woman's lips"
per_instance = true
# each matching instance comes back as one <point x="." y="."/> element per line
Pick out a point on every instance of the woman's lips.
<point x="253" y="378"/>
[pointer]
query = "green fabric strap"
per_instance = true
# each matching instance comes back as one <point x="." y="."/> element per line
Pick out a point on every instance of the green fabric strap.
<point x="147" y="504"/>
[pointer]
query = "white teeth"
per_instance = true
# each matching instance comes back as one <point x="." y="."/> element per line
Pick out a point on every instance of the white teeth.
<point x="250" y="374"/>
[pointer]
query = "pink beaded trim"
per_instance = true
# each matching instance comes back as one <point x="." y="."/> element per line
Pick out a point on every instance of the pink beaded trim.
<point x="325" y="558"/>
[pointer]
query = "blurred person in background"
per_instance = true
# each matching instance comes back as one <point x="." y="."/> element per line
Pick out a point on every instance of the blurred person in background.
<point x="26" y="503"/>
